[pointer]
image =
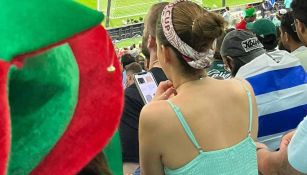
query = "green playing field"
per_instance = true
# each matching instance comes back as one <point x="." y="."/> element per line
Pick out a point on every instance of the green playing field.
<point x="121" y="10"/>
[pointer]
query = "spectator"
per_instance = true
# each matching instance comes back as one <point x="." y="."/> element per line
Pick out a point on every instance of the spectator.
<point x="287" y="3"/>
<point x="265" y="6"/>
<point x="233" y="52"/>
<point x="290" y="40"/>
<point x="132" y="69"/>
<point x="168" y="125"/>
<point x="217" y="68"/>
<point x="133" y="101"/>
<point x="281" y="102"/>
<point x="290" y="159"/>
<point x="249" y="15"/>
<point x="227" y="15"/>
<point x="266" y="33"/>
<point x="299" y="12"/>
<point x="125" y="60"/>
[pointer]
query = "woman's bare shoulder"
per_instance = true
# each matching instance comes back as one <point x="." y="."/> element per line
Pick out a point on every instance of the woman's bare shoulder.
<point x="154" y="113"/>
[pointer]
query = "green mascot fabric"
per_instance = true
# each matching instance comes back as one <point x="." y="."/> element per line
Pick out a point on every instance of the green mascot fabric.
<point x="59" y="102"/>
<point x="46" y="21"/>
<point x="114" y="155"/>
<point x="51" y="81"/>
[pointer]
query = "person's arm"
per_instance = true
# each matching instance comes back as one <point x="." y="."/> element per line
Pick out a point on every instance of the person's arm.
<point x="276" y="163"/>
<point x="150" y="155"/>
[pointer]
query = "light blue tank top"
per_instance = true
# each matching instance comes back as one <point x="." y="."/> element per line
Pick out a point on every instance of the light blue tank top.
<point x="239" y="159"/>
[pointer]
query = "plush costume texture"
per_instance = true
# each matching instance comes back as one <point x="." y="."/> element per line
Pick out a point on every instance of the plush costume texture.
<point x="29" y="25"/>
<point x="59" y="104"/>
<point x="114" y="155"/>
<point x="96" y="114"/>
<point x="4" y="117"/>
<point x="51" y="81"/>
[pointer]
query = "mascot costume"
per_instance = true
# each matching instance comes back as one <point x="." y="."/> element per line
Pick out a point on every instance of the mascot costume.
<point x="61" y="95"/>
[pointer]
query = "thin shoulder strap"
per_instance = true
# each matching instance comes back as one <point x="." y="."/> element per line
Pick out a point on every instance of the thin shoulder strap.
<point x="185" y="125"/>
<point x="250" y="104"/>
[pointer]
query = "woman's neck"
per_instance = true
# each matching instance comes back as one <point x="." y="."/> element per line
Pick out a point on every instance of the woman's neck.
<point x="179" y="85"/>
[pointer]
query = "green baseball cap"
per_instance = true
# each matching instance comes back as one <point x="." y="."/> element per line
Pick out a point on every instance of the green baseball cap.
<point x="262" y="27"/>
<point x="249" y="12"/>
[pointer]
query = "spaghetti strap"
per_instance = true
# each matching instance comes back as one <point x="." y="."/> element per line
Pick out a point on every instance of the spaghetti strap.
<point x="250" y="104"/>
<point x="185" y="125"/>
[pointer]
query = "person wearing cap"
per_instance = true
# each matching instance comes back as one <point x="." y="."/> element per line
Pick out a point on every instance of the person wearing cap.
<point x="271" y="75"/>
<point x="266" y="33"/>
<point x="249" y="15"/>
<point x="290" y="39"/>
<point x="240" y="48"/>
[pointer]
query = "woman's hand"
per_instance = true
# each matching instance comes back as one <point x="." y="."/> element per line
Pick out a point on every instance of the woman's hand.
<point x="164" y="91"/>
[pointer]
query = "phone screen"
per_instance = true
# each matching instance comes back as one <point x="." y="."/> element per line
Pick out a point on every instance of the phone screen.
<point x="146" y="85"/>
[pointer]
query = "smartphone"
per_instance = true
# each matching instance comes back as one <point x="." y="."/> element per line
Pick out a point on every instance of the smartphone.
<point x="146" y="84"/>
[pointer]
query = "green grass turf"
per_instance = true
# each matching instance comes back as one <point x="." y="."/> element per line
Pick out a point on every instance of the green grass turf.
<point x="121" y="10"/>
<point x="128" y="42"/>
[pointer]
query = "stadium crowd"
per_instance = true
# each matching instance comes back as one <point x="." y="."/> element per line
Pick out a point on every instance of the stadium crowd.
<point x="231" y="98"/>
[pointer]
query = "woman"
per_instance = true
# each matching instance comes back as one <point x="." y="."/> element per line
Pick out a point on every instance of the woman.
<point x="196" y="124"/>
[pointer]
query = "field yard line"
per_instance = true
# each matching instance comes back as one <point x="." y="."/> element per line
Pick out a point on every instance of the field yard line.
<point x="128" y="16"/>
<point x="150" y="3"/>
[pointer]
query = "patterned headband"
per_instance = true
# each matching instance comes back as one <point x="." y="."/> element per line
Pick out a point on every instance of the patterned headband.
<point x="197" y="60"/>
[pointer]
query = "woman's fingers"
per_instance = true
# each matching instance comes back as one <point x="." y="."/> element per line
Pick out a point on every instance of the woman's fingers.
<point x="165" y="90"/>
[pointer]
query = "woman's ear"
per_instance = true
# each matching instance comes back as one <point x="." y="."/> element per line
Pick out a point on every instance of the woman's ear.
<point x="300" y="27"/>
<point x="151" y="42"/>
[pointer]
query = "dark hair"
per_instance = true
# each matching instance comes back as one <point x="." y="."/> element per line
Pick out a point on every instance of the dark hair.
<point x="237" y="64"/>
<point x="142" y="63"/>
<point x="195" y="26"/>
<point x="286" y="25"/>
<point x="299" y="10"/>
<point x="134" y="68"/>
<point x="269" y="41"/>
<point x="127" y="59"/>
<point x="219" y="42"/>
<point x="97" y="166"/>
<point x="153" y="15"/>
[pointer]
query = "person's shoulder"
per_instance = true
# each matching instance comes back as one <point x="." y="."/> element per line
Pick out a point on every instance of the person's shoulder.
<point x="154" y="113"/>
<point x="238" y="88"/>
<point x="133" y="93"/>
<point x="131" y="90"/>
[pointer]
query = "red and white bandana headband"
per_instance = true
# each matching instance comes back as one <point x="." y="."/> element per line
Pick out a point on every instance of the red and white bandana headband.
<point x="197" y="60"/>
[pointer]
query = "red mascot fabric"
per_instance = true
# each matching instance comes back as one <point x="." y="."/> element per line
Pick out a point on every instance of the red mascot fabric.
<point x="95" y="120"/>
<point x="4" y="117"/>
